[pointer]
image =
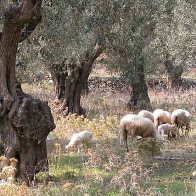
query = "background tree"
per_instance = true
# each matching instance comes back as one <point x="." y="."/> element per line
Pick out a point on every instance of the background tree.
<point x="127" y="28"/>
<point x="24" y="122"/>
<point x="140" y="37"/>
<point x="131" y="32"/>
<point x="68" y="48"/>
<point x="173" y="46"/>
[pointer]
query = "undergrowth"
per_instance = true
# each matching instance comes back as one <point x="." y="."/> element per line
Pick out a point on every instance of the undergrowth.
<point x="105" y="168"/>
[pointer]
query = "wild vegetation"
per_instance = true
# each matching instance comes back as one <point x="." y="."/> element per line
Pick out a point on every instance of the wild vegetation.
<point x="143" y="56"/>
<point x="106" y="168"/>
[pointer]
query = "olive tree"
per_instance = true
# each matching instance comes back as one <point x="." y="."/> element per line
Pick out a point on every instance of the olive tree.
<point x="68" y="48"/>
<point x="24" y="122"/>
<point x="132" y="30"/>
<point x="173" y="45"/>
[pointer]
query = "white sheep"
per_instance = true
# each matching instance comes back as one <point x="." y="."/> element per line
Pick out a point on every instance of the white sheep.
<point x="181" y="118"/>
<point x="78" y="139"/>
<point x="161" y="117"/>
<point x="167" y="129"/>
<point x="146" y="114"/>
<point x="135" y="125"/>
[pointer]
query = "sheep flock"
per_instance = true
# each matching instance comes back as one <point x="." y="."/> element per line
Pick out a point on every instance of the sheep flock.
<point x="155" y="125"/>
<point x="145" y="124"/>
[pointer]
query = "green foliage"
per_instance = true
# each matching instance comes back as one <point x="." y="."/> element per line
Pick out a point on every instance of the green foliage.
<point x="149" y="147"/>
<point x="174" y="35"/>
<point x="132" y="30"/>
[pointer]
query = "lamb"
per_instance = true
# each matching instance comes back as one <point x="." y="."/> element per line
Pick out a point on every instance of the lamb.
<point x="181" y="118"/>
<point x="167" y="129"/>
<point x="161" y="117"/>
<point x="78" y="139"/>
<point x="146" y="114"/>
<point x="135" y="125"/>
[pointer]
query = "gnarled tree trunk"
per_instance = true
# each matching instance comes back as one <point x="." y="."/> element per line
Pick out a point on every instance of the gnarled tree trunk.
<point x="174" y="74"/>
<point x="69" y="79"/>
<point x="24" y="122"/>
<point x="139" y="94"/>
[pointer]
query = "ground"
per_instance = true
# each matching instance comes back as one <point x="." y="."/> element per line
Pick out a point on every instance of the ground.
<point x="105" y="168"/>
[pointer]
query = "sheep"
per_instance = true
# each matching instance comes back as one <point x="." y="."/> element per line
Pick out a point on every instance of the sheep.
<point x="166" y="129"/>
<point x="135" y="125"/>
<point x="146" y="114"/>
<point x="161" y="117"/>
<point x="78" y="139"/>
<point x="181" y="118"/>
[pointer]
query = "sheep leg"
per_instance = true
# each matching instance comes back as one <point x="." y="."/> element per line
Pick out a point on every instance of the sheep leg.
<point x="187" y="130"/>
<point x="125" y="137"/>
<point x="182" y="132"/>
<point x="178" y="132"/>
<point x="169" y="136"/>
<point x="79" y="148"/>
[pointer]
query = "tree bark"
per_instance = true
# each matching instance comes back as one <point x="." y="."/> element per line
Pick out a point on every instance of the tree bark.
<point x="24" y="122"/>
<point x="139" y="95"/>
<point x="69" y="79"/>
<point x="68" y="87"/>
<point x="31" y="122"/>
<point x="174" y="74"/>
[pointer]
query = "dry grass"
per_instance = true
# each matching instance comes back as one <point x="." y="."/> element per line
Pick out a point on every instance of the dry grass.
<point x="105" y="168"/>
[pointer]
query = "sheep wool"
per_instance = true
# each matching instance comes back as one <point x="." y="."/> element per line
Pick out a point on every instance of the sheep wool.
<point x="78" y="139"/>
<point x="161" y="117"/>
<point x="181" y="118"/>
<point x="146" y="114"/>
<point x="135" y="125"/>
<point x="166" y="129"/>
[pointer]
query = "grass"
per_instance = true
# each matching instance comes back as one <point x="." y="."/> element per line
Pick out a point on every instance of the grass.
<point x="105" y="168"/>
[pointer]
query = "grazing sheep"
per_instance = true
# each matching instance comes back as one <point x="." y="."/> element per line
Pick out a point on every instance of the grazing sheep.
<point x="146" y="114"/>
<point x="135" y="125"/>
<point x="161" y="117"/>
<point x="167" y="129"/>
<point x="181" y="118"/>
<point x="78" y="139"/>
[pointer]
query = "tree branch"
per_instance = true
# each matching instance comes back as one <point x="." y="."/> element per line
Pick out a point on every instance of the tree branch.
<point x="31" y="18"/>
<point x="99" y="47"/>
<point x="24" y="13"/>
<point x="29" y="28"/>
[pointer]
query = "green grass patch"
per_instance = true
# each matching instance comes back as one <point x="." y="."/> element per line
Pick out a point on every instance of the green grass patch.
<point x="173" y="178"/>
<point x="176" y="188"/>
<point x="66" y="167"/>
